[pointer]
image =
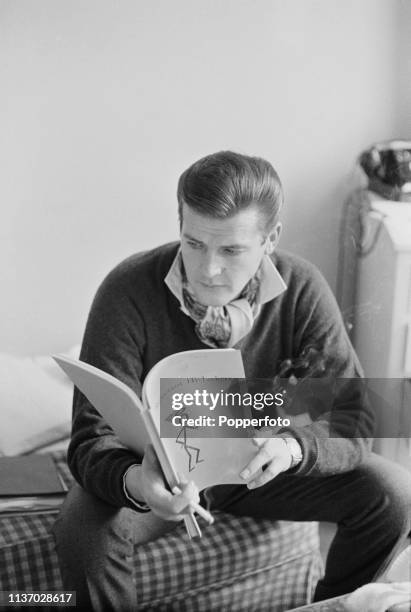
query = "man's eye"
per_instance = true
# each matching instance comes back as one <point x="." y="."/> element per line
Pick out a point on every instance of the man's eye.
<point x="193" y="245"/>
<point x="229" y="251"/>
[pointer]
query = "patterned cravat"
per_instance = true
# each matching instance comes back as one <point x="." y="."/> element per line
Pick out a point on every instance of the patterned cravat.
<point x="225" y="326"/>
<point x="214" y="324"/>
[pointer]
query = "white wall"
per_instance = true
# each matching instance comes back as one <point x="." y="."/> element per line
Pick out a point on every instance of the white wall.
<point x="403" y="64"/>
<point x="104" y="103"/>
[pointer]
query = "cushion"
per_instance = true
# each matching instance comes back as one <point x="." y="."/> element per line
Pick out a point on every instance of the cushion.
<point x="35" y="400"/>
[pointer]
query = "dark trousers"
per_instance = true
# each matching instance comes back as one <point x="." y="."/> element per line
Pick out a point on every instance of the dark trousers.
<point x="371" y="506"/>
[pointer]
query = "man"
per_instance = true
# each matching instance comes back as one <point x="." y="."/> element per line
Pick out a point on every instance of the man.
<point x="226" y="284"/>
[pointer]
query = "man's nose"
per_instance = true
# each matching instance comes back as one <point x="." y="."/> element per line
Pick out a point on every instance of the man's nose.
<point x="212" y="265"/>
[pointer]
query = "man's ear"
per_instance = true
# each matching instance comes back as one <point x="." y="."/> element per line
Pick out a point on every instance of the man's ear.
<point x="273" y="238"/>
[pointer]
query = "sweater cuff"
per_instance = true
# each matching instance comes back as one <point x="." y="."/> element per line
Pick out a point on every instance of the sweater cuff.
<point x="139" y="506"/>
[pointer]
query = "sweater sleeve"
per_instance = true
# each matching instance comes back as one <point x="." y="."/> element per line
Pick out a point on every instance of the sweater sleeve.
<point x="113" y="341"/>
<point x="340" y="435"/>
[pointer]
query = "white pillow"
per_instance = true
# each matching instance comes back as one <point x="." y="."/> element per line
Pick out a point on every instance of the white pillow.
<point x="35" y="402"/>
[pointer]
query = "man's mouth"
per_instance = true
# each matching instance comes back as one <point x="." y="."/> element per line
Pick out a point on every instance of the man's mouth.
<point x="211" y="286"/>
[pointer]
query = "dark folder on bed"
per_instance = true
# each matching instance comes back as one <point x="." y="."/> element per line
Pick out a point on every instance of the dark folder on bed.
<point x="29" y="483"/>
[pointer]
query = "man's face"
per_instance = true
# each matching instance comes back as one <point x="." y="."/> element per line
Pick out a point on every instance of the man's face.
<point x="221" y="255"/>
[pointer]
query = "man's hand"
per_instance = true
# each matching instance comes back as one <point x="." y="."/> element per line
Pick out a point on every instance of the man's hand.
<point x="378" y="597"/>
<point x="274" y="455"/>
<point x="146" y="483"/>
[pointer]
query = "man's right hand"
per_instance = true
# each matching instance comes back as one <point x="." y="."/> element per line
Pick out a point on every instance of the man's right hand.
<point x="146" y="483"/>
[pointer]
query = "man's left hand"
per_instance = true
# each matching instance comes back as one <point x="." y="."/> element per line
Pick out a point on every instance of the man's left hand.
<point x="274" y="455"/>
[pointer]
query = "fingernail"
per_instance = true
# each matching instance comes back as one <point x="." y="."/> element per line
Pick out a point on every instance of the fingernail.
<point x="245" y="474"/>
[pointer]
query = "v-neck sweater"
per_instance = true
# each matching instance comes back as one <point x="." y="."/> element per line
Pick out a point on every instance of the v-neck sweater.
<point x="135" y="321"/>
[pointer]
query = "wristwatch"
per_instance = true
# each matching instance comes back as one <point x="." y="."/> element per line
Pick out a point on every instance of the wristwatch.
<point x="295" y="451"/>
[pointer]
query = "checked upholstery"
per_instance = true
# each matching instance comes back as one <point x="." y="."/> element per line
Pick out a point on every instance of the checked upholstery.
<point x="238" y="564"/>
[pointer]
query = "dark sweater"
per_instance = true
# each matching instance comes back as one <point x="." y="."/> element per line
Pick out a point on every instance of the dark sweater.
<point x="135" y="321"/>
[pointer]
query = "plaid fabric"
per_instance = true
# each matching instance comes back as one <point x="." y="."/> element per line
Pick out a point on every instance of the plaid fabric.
<point x="239" y="564"/>
<point x="28" y="559"/>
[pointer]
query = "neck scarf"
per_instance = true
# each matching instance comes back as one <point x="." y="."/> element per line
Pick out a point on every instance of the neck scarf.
<point x="224" y="326"/>
<point x="214" y="324"/>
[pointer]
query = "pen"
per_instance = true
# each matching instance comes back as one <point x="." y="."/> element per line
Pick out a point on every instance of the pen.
<point x="207" y="516"/>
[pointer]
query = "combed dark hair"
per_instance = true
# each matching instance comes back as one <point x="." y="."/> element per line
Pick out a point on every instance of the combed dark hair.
<point x="222" y="184"/>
